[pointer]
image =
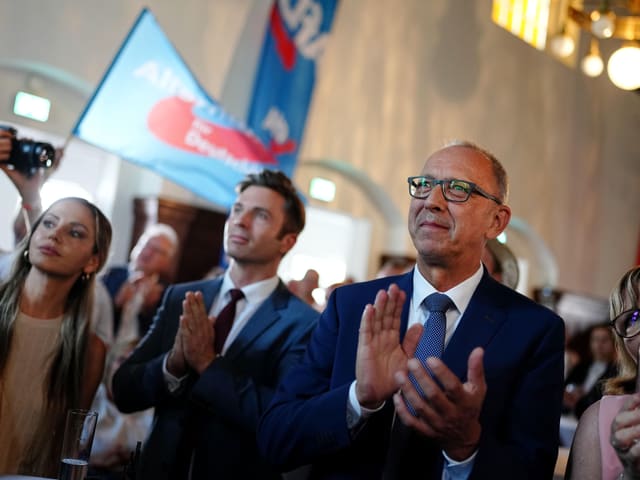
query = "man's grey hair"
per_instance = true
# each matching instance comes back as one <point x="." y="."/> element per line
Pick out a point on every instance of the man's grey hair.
<point x="498" y="170"/>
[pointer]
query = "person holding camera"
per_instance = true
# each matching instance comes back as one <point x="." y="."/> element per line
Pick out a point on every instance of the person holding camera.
<point x="28" y="188"/>
<point x="26" y="155"/>
<point x="51" y="356"/>
<point x="17" y="161"/>
<point x="29" y="182"/>
<point x="71" y="348"/>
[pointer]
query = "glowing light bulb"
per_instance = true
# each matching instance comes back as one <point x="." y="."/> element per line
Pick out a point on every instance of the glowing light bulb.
<point x="562" y="45"/>
<point x="624" y="67"/>
<point x="592" y="64"/>
<point x="603" y="24"/>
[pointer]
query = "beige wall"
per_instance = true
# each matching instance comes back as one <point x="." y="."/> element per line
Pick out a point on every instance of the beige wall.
<point x="398" y="79"/>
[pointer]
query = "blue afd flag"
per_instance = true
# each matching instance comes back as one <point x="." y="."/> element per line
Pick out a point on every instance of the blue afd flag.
<point x="150" y="110"/>
<point x="296" y="37"/>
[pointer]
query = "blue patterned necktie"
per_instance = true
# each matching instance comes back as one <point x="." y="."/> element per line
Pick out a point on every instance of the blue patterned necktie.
<point x="431" y="343"/>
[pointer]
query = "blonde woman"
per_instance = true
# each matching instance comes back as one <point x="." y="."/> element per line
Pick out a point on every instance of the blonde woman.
<point x="607" y="441"/>
<point x="50" y="357"/>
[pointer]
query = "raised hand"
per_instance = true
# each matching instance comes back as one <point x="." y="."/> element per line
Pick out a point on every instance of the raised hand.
<point x="625" y="436"/>
<point x="28" y="186"/>
<point x="450" y="414"/>
<point x="380" y="354"/>
<point x="147" y="286"/>
<point x="153" y="294"/>
<point x="5" y="145"/>
<point x="197" y="332"/>
<point x="176" y="363"/>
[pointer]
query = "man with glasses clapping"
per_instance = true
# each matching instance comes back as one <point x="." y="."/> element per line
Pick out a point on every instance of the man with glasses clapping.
<point x="474" y="393"/>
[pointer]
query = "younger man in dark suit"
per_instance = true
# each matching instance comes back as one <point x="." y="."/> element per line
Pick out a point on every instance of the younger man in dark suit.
<point x="209" y="392"/>
<point x="492" y="408"/>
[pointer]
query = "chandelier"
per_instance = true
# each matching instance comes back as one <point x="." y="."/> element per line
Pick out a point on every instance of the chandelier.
<point x="601" y="21"/>
<point x="557" y="26"/>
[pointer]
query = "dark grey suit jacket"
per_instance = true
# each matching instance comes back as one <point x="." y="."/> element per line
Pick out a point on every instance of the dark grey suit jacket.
<point x="215" y="415"/>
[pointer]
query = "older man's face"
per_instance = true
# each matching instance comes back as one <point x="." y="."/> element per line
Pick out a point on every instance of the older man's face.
<point x="446" y="233"/>
<point x="154" y="256"/>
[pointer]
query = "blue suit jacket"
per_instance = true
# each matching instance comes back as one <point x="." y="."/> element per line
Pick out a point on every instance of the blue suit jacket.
<point x="224" y="403"/>
<point x="523" y="341"/>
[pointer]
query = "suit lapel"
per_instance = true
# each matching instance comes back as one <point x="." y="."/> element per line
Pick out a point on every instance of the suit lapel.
<point x="405" y="283"/>
<point x="480" y="322"/>
<point x="210" y="291"/>
<point x="264" y="317"/>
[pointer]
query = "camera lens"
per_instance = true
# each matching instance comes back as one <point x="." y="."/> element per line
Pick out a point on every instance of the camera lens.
<point x="45" y="154"/>
<point x="28" y="156"/>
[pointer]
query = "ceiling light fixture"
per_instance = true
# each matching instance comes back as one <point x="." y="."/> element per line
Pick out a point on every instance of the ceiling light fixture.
<point x="603" y="23"/>
<point x="562" y="45"/>
<point x="592" y="64"/>
<point x="555" y="26"/>
<point x="623" y="66"/>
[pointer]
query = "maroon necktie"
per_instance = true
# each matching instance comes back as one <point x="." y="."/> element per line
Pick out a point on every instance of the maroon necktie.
<point x="225" y="319"/>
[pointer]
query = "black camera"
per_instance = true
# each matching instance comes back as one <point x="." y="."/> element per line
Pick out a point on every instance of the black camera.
<point x="28" y="156"/>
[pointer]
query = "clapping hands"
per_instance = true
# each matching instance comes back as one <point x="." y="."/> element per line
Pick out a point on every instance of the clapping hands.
<point x="195" y="337"/>
<point x="449" y="413"/>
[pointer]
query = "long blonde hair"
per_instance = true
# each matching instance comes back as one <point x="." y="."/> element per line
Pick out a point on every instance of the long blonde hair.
<point x="65" y="373"/>
<point x="625" y="296"/>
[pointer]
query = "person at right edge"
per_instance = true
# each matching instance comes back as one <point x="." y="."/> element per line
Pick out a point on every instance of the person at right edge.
<point x="492" y="408"/>
<point x="606" y="445"/>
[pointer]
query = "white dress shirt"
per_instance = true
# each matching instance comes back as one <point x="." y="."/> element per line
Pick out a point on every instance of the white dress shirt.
<point x="460" y="295"/>
<point x="254" y="295"/>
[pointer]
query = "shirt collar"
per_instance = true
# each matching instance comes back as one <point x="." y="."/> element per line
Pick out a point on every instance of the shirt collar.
<point x="253" y="293"/>
<point x="460" y="295"/>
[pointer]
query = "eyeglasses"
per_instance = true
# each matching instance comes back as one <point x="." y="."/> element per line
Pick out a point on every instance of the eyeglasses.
<point x="627" y="324"/>
<point x="454" y="190"/>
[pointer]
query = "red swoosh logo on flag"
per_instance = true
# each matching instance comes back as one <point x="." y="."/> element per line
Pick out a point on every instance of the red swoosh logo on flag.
<point x="172" y="121"/>
<point x="282" y="148"/>
<point x="284" y="45"/>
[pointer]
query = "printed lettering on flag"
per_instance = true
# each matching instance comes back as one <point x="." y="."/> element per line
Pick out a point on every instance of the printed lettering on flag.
<point x="150" y="110"/>
<point x="295" y="39"/>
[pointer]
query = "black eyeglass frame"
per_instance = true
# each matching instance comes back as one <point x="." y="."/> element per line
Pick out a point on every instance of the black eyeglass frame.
<point x="468" y="187"/>
<point x="612" y="323"/>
